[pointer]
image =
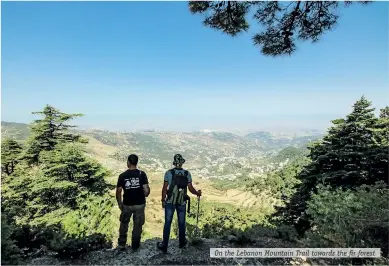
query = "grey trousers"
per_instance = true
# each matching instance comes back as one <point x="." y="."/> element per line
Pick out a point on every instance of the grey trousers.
<point x="138" y="213"/>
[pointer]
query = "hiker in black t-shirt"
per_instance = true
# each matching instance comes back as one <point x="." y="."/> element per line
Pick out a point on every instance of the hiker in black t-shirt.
<point x="134" y="183"/>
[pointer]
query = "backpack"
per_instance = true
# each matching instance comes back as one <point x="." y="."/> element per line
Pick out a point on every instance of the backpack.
<point x="177" y="192"/>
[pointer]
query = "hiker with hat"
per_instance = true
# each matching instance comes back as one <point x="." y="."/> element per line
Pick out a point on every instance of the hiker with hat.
<point x="174" y="197"/>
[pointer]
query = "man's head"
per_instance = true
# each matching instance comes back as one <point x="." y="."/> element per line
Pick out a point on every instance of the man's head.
<point x="132" y="160"/>
<point x="178" y="161"/>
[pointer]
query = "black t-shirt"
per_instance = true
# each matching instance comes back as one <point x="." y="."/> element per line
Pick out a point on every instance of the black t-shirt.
<point x="132" y="182"/>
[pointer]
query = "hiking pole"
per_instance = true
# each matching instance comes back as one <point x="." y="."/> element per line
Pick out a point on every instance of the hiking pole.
<point x="198" y="212"/>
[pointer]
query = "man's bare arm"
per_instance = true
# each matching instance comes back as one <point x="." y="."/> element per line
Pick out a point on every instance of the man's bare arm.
<point x="164" y="191"/>
<point x="119" y="197"/>
<point x="146" y="190"/>
<point x="193" y="190"/>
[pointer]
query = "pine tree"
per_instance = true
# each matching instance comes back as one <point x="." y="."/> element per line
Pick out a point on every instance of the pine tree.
<point x="62" y="178"/>
<point x="10" y="253"/>
<point x="383" y="126"/>
<point x="379" y="155"/>
<point x="49" y="131"/>
<point x="282" y="23"/>
<point x="10" y="155"/>
<point x="350" y="155"/>
<point x="69" y="163"/>
<point x="56" y="189"/>
<point x="350" y="161"/>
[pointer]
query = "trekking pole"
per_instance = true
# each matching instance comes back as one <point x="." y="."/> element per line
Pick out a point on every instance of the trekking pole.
<point x="198" y="212"/>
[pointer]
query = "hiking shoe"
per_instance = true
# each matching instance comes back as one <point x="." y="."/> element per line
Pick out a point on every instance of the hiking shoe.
<point x="182" y="245"/>
<point x="162" y="247"/>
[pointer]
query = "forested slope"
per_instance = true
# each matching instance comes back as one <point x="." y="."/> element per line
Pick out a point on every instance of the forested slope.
<point x="56" y="204"/>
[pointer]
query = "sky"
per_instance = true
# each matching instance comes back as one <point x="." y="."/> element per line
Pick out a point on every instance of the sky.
<point x="153" y="65"/>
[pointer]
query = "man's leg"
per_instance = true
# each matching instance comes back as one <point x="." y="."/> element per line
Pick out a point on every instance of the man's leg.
<point x="169" y="212"/>
<point x="139" y="220"/>
<point x="181" y="215"/>
<point x="125" y="217"/>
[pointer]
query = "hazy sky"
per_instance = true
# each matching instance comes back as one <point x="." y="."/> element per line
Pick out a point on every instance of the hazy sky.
<point x="137" y="65"/>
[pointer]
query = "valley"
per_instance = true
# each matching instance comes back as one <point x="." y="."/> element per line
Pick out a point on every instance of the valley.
<point x="220" y="163"/>
<point x="58" y="186"/>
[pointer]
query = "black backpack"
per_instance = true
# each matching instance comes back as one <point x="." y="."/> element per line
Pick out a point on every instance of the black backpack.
<point x="177" y="192"/>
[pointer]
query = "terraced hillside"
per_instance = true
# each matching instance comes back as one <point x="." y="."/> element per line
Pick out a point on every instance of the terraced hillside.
<point x="218" y="163"/>
<point x="155" y="214"/>
<point x="209" y="155"/>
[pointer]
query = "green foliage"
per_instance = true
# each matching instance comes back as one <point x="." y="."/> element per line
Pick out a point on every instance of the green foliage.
<point x="351" y="218"/>
<point x="64" y="178"/>
<point x="10" y="155"/>
<point x="50" y="131"/>
<point x="353" y="153"/>
<point x="10" y="252"/>
<point x="282" y="23"/>
<point x="32" y="239"/>
<point x="68" y="162"/>
<point x="218" y="220"/>
<point x="75" y="247"/>
<point x="347" y="155"/>
<point x="286" y="232"/>
<point x="224" y="184"/>
<point x="290" y="154"/>
<point x="47" y="195"/>
<point x="241" y="225"/>
<point x="55" y="195"/>
<point x="17" y="197"/>
<point x="281" y="183"/>
<point x="93" y="216"/>
<point x="26" y="240"/>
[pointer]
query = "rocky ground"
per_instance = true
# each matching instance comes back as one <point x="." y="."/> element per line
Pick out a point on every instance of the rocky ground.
<point x="148" y="254"/>
<point x="194" y="254"/>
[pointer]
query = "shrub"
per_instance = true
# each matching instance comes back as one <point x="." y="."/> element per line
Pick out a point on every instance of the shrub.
<point x="93" y="216"/>
<point x="10" y="252"/>
<point x="74" y="247"/>
<point x="221" y="220"/>
<point x="287" y="232"/>
<point x="350" y="218"/>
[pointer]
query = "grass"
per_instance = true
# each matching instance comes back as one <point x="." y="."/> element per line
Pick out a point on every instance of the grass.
<point x="223" y="184"/>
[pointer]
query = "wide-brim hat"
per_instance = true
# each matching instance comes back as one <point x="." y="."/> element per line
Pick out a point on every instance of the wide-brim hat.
<point x="178" y="160"/>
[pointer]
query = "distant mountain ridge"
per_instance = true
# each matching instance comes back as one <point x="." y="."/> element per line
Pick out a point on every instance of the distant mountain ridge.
<point x="220" y="155"/>
<point x="268" y="140"/>
<point x="22" y="130"/>
<point x="206" y="143"/>
<point x="18" y="131"/>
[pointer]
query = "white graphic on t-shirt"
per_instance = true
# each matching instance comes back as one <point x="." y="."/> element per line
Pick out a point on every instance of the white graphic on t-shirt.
<point x="132" y="183"/>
